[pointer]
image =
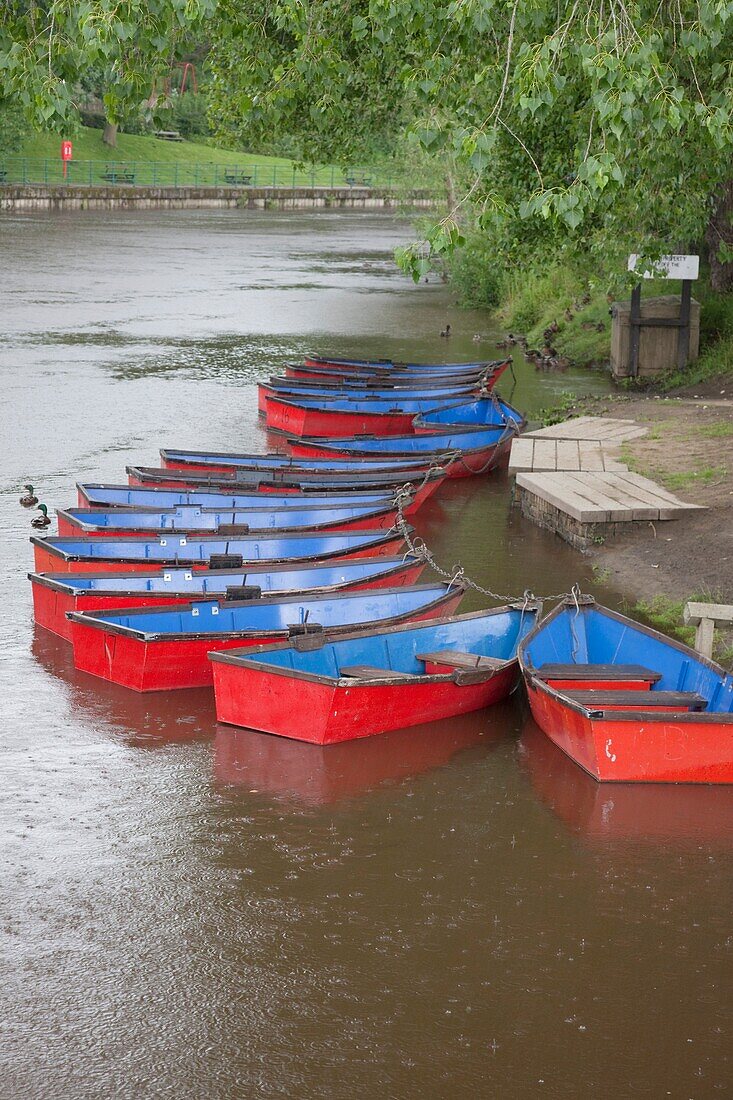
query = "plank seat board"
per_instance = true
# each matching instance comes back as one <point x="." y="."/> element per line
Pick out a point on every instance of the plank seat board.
<point x="456" y="659"/>
<point x="369" y="672"/>
<point x="680" y="700"/>
<point x="597" y="672"/>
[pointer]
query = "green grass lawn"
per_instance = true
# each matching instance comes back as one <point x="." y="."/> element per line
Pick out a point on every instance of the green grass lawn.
<point x="154" y="161"/>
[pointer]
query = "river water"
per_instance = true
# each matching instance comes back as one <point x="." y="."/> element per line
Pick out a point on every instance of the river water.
<point x="198" y="912"/>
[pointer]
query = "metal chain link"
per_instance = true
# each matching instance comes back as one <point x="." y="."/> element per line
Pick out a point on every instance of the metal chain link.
<point x="419" y="549"/>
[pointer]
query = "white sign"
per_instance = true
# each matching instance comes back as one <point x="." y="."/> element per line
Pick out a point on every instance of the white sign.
<point x="669" y="267"/>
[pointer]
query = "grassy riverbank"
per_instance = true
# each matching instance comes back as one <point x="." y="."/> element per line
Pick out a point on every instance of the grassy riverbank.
<point x="528" y="303"/>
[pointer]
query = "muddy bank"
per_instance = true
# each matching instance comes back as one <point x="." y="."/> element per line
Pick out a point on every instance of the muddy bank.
<point x="689" y="450"/>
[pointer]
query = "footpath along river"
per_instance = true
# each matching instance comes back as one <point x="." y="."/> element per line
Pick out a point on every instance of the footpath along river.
<point x="198" y="912"/>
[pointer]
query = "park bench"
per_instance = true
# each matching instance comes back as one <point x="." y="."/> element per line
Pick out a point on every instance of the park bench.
<point x="118" y="175"/>
<point x="238" y="179"/>
<point x="168" y="135"/>
<point x="358" y="181"/>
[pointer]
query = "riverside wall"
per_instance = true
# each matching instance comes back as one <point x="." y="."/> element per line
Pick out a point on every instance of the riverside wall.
<point x="18" y="197"/>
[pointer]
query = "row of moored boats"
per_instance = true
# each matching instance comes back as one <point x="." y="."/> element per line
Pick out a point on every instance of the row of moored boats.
<point x="288" y="583"/>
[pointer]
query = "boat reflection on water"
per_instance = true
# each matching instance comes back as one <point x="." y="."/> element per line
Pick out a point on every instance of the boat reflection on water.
<point x="321" y="775"/>
<point x="686" y="814"/>
<point x="145" y="721"/>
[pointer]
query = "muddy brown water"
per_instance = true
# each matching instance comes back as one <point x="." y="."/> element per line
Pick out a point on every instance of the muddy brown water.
<point x="194" y="911"/>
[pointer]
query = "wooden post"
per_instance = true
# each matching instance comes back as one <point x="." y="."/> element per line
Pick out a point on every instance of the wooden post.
<point x="634" y="330"/>
<point x="683" y="333"/>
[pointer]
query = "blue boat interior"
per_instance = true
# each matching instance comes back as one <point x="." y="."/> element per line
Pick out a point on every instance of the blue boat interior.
<point x="191" y="516"/>
<point x="591" y="636"/>
<point x="482" y="411"/>
<point x="463" y="439"/>
<point x="372" y="405"/>
<point x="491" y="635"/>
<point x="126" y="495"/>
<point x="216" y="582"/>
<point x="329" y="611"/>
<point x="289" y="392"/>
<point x="251" y="548"/>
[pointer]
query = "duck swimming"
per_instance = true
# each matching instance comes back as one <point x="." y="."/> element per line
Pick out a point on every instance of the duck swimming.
<point x="42" y="520"/>
<point x="28" y="499"/>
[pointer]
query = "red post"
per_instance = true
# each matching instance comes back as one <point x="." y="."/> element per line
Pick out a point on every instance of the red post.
<point x="66" y="154"/>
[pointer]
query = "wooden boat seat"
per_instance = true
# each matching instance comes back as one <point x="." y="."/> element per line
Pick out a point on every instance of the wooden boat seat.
<point x="370" y="672"/>
<point x="454" y="658"/>
<point x="646" y="700"/>
<point x="598" y="672"/>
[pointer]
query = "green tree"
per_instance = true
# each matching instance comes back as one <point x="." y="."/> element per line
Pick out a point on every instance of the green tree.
<point x="47" y="45"/>
<point x="609" y="120"/>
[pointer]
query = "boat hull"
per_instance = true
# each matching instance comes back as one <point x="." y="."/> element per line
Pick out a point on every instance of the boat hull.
<point x="51" y="605"/>
<point x="72" y="526"/>
<point x="48" y="560"/>
<point x="326" y="714"/>
<point x="423" y="482"/>
<point x="468" y="463"/>
<point x="174" y="663"/>
<point x="667" y="750"/>
<point x="294" y="419"/>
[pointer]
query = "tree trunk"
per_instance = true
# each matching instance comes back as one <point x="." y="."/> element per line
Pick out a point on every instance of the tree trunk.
<point x="720" y="231"/>
<point x="109" y="137"/>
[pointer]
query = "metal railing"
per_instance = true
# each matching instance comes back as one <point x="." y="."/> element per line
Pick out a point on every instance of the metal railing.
<point x="247" y="173"/>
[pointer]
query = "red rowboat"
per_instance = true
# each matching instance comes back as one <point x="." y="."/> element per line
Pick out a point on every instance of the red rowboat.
<point x="56" y="594"/>
<point x="116" y="555"/>
<point x="626" y="703"/>
<point x="166" y="648"/>
<point x="422" y="485"/>
<point x="373" y="680"/>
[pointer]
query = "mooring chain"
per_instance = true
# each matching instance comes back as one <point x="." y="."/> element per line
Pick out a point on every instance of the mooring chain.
<point x="419" y="549"/>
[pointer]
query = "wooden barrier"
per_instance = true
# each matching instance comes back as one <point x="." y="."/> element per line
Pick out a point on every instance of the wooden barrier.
<point x="706" y="616"/>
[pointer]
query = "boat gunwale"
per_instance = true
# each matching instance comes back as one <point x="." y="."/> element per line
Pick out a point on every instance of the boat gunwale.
<point x="91" y="618"/>
<point x="46" y="580"/>
<point x="427" y="471"/>
<point x="595" y="713"/>
<point x="82" y="488"/>
<point x="332" y="444"/>
<point x="47" y="542"/>
<point x="291" y="463"/>
<point x="246" y="529"/>
<point x="246" y="657"/>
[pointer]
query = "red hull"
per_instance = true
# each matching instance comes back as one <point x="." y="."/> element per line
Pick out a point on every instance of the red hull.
<point x="46" y="560"/>
<point x="69" y="527"/>
<point x="293" y="419"/>
<point x="654" y="813"/>
<point x="324" y="714"/>
<point x="50" y="605"/>
<point x="468" y="464"/>
<point x="183" y="663"/>
<point x="678" y="749"/>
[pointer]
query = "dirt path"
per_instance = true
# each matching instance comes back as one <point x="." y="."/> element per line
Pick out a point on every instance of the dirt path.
<point x="689" y="449"/>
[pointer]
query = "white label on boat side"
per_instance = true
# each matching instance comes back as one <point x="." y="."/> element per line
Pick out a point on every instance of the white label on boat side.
<point x="166" y="576"/>
<point x="668" y="267"/>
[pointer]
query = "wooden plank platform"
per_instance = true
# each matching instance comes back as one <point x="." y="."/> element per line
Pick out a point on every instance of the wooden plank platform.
<point x="588" y="443"/>
<point x="603" y="497"/>
<point x="530" y="454"/>
<point x="604" y="429"/>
